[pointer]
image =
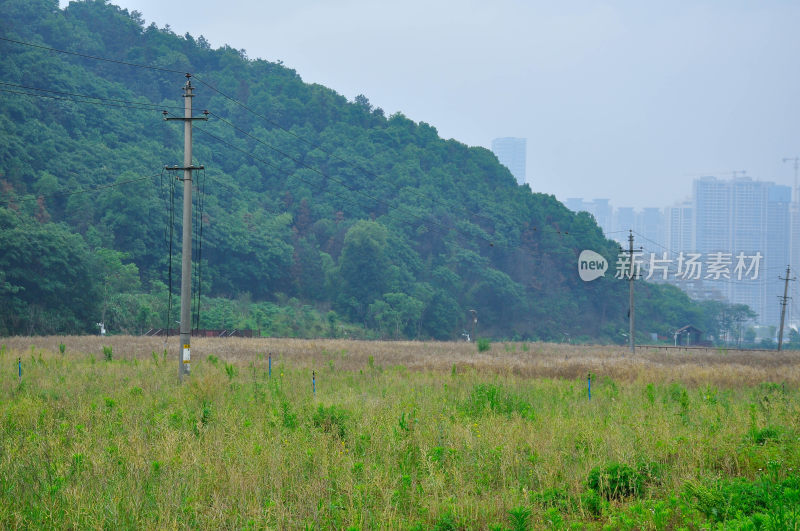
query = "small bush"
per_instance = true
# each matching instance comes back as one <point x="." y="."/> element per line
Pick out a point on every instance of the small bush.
<point x="107" y="352"/>
<point x="483" y="344"/>
<point x="592" y="503"/>
<point x="615" y="481"/>
<point x="554" y="497"/>
<point x="738" y="498"/>
<point x="498" y="399"/>
<point x="520" y="517"/>
<point x="62" y="348"/>
<point x="331" y="419"/>
<point x="765" y="434"/>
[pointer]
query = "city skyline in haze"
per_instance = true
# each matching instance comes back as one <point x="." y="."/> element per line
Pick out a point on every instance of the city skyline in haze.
<point x="624" y="99"/>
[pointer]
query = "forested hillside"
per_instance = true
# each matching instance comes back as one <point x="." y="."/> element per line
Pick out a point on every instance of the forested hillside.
<point x="320" y="216"/>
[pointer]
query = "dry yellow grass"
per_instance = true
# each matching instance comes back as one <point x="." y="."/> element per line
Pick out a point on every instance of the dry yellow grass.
<point x="727" y="368"/>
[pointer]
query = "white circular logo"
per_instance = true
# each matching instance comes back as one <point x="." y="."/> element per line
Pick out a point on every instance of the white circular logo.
<point x="591" y="265"/>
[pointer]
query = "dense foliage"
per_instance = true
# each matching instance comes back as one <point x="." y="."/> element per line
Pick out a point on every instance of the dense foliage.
<point x="373" y="223"/>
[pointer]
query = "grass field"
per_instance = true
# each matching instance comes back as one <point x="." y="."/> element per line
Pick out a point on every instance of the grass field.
<point x="404" y="435"/>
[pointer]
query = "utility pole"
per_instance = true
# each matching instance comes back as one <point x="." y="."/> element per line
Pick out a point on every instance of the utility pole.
<point x="474" y="324"/>
<point x="794" y="221"/>
<point x="631" y="277"/>
<point x="184" y="353"/>
<point x="784" y="302"/>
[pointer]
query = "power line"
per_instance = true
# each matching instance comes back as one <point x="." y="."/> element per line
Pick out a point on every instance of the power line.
<point x="85" y="96"/>
<point x="94" y="57"/>
<point x="84" y="191"/>
<point x="128" y="105"/>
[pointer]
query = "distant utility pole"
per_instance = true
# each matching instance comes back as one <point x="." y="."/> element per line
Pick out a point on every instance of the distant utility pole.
<point x="184" y="353"/>
<point x="784" y="302"/>
<point x="632" y="275"/>
<point x="794" y="220"/>
<point x="474" y="324"/>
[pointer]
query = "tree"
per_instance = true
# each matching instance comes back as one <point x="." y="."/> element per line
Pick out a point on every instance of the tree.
<point x="46" y="286"/>
<point x="363" y="266"/>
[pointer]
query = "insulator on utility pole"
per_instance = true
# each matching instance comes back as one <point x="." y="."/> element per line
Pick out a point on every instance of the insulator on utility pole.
<point x="184" y="352"/>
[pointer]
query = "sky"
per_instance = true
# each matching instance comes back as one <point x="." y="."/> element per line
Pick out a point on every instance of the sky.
<point x="626" y="100"/>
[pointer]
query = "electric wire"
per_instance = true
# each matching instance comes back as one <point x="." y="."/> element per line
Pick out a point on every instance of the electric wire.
<point x="171" y="239"/>
<point x="84" y="96"/>
<point x="94" y="57"/>
<point x="130" y="105"/>
<point x="74" y="192"/>
<point x="199" y="239"/>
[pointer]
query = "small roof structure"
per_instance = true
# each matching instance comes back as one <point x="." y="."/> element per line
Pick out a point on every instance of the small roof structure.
<point x="694" y="336"/>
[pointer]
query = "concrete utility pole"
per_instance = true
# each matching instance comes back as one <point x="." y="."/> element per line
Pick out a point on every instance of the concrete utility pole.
<point x="184" y="353"/>
<point x="784" y="302"/>
<point x="474" y="324"/>
<point x="794" y="221"/>
<point x="631" y="325"/>
<point x="632" y="276"/>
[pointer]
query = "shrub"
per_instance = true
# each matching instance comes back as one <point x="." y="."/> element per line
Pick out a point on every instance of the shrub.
<point x="615" y="481"/>
<point x="592" y="503"/>
<point x="519" y="518"/>
<point x="107" y="352"/>
<point x="483" y="344"/>
<point x="765" y="434"/>
<point x="62" y="348"/>
<point x="331" y="419"/>
<point x="498" y="399"/>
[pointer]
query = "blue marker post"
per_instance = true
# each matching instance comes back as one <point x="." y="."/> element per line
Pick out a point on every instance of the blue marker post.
<point x="19" y="368"/>
<point x="589" y="380"/>
<point x="314" y="382"/>
<point x="270" y="364"/>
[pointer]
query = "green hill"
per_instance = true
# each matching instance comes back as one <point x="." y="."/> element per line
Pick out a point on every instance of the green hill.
<point x="320" y="216"/>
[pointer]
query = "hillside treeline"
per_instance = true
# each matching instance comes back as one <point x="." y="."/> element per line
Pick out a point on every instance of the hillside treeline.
<point x="319" y="215"/>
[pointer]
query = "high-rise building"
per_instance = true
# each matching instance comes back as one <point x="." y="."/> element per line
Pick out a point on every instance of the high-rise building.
<point x="679" y="228"/>
<point x="511" y="153"/>
<point x="603" y="214"/>
<point x="650" y="225"/>
<point x="750" y="217"/>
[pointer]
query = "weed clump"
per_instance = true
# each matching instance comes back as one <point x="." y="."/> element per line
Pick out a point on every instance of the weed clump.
<point x="107" y="352"/>
<point x="763" y="435"/>
<point x="331" y="419"/>
<point x="483" y="344"/>
<point x="495" y="398"/>
<point x="767" y="503"/>
<point x="615" y="481"/>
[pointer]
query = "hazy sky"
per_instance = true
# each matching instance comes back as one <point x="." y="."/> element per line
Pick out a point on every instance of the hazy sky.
<point x="625" y="100"/>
